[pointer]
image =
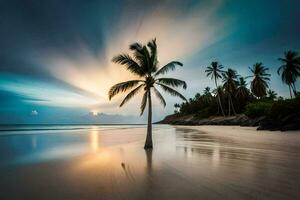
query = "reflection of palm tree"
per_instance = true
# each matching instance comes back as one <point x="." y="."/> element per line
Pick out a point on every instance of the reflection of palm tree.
<point x="145" y="65"/>
<point x="149" y="160"/>
<point x="215" y="72"/>
<point x="290" y="69"/>
<point x="230" y="83"/>
<point x="242" y="91"/>
<point x="260" y="80"/>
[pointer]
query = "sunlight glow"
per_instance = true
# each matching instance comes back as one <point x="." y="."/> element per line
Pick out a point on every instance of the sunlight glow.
<point x="178" y="35"/>
<point x="94" y="140"/>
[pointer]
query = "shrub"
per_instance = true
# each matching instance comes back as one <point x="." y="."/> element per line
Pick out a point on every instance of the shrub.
<point x="284" y="108"/>
<point x="258" y="109"/>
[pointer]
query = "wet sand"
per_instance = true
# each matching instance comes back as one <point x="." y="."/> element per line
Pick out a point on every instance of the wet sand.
<point x="205" y="162"/>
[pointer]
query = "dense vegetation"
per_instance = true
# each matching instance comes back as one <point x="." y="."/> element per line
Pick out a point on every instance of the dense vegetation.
<point x="233" y="95"/>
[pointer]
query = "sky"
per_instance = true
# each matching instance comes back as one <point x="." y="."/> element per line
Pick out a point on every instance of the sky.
<point x="55" y="56"/>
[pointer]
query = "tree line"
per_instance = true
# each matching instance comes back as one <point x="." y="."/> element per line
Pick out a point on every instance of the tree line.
<point x="233" y="94"/>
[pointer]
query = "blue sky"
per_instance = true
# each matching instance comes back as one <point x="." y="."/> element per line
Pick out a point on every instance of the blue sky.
<point x="55" y="57"/>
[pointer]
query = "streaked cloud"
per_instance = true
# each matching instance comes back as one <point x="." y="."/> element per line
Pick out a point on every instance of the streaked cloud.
<point x="181" y="31"/>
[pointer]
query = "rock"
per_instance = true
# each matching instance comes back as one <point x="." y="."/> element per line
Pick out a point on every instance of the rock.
<point x="283" y="123"/>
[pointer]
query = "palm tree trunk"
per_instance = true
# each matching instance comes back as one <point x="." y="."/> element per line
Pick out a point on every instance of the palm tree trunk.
<point x="294" y="90"/>
<point x="233" y="110"/>
<point x="220" y="104"/>
<point x="290" y="91"/>
<point x="148" y="143"/>
<point x="229" y="105"/>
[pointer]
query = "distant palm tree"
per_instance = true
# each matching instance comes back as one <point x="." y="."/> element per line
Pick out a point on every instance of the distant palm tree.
<point x="230" y="85"/>
<point x="177" y="107"/>
<point x="144" y="64"/>
<point x="197" y="96"/>
<point x="219" y="92"/>
<point x="215" y="72"/>
<point x="290" y="69"/>
<point x="207" y="95"/>
<point x="272" y="94"/>
<point x="242" y="91"/>
<point x="260" y="80"/>
<point x="206" y="91"/>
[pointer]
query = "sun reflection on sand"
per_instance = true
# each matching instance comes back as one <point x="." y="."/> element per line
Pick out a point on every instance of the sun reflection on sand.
<point x="216" y="155"/>
<point x="94" y="140"/>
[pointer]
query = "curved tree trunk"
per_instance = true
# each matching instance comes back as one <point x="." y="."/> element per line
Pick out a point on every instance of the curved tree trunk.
<point x="220" y="104"/>
<point x="290" y="91"/>
<point x="294" y="90"/>
<point x="148" y="143"/>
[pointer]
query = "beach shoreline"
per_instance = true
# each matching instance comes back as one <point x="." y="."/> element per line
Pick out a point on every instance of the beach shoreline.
<point x="187" y="162"/>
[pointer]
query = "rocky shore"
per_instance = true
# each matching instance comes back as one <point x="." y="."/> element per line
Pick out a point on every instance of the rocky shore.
<point x="291" y="122"/>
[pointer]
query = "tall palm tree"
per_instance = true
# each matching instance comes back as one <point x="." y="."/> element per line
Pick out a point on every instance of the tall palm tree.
<point x="144" y="64"/>
<point x="242" y="91"/>
<point x="215" y="72"/>
<point x="230" y="85"/>
<point x="272" y="94"/>
<point x="290" y="69"/>
<point x="260" y="80"/>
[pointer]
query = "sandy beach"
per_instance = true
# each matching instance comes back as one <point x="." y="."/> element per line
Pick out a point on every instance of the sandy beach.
<point x="187" y="162"/>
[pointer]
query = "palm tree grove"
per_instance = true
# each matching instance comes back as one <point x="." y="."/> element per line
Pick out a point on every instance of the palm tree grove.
<point x="245" y="100"/>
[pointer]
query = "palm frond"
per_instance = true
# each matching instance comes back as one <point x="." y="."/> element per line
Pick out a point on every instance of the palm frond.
<point x="139" y="54"/>
<point x="122" y="87"/>
<point x="153" y="53"/>
<point x="131" y="94"/>
<point x="171" y="91"/>
<point x="130" y="63"/>
<point x="144" y="102"/>
<point x="172" y="82"/>
<point x="136" y="47"/>
<point x="167" y="67"/>
<point x="159" y="96"/>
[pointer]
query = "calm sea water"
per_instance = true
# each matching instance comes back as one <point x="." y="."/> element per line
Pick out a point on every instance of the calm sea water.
<point x="109" y="162"/>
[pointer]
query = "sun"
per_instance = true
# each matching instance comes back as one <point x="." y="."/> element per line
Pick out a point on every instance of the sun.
<point x="94" y="112"/>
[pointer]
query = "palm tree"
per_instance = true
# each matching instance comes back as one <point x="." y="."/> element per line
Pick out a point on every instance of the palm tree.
<point x="272" y="94"/>
<point x="206" y="91"/>
<point x="207" y="95"/>
<point x="144" y="64"/>
<point x="215" y="72"/>
<point x="290" y="69"/>
<point x="242" y="91"/>
<point x="260" y="80"/>
<point x="230" y="84"/>
<point x="177" y="107"/>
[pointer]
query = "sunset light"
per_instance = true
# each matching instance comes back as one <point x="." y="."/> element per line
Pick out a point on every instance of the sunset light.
<point x="149" y="99"/>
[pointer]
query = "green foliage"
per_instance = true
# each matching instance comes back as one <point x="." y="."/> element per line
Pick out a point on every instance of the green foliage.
<point x="235" y="97"/>
<point x="207" y="112"/>
<point x="258" y="108"/>
<point x="144" y="64"/>
<point x="284" y="108"/>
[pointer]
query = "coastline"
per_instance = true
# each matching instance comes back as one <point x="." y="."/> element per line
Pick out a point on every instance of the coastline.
<point x="187" y="162"/>
<point x="261" y="123"/>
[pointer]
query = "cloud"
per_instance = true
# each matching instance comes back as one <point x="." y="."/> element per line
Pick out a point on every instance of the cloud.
<point x="181" y="31"/>
<point x="34" y="113"/>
